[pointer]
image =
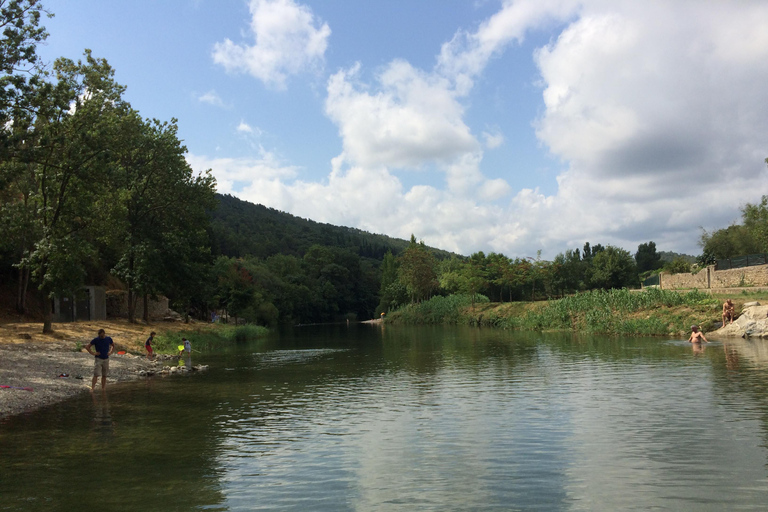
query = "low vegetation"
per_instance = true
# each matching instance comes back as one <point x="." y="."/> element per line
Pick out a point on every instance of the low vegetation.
<point x="617" y="312"/>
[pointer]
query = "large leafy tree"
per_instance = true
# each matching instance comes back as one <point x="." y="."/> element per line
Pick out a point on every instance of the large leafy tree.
<point x="65" y="153"/>
<point x="417" y="271"/>
<point x="162" y="208"/>
<point x="647" y="258"/>
<point x="614" y="267"/>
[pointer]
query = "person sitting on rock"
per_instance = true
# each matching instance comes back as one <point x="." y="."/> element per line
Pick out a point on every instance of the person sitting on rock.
<point x="696" y="335"/>
<point x="728" y="311"/>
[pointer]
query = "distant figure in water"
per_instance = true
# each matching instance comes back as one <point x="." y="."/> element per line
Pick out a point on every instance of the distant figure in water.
<point x="728" y="311"/>
<point x="696" y="335"/>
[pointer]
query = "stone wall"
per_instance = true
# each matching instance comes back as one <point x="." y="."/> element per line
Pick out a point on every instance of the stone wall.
<point x="711" y="278"/>
<point x="685" y="281"/>
<point x="117" y="306"/>
<point x="748" y="276"/>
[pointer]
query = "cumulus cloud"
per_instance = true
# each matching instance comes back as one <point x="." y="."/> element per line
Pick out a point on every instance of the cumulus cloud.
<point x="409" y="119"/>
<point x="657" y="109"/>
<point x="288" y="40"/>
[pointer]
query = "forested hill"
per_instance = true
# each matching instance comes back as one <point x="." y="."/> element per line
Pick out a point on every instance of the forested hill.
<point x="240" y="228"/>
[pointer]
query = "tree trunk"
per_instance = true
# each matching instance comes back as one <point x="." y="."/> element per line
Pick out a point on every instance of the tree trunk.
<point x="24" y="291"/>
<point x="47" y="312"/>
<point x="146" y="308"/>
<point x="131" y="306"/>
<point x="131" y="300"/>
<point x="21" y="290"/>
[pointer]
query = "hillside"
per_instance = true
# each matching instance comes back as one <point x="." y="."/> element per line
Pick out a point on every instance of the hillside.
<point x="239" y="228"/>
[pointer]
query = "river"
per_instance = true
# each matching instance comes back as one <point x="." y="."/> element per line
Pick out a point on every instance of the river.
<point x="365" y="418"/>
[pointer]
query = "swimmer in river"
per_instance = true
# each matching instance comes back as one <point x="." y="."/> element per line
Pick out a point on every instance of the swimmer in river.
<point x="696" y="335"/>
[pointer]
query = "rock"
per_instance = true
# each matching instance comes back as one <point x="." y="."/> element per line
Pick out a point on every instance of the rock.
<point x="751" y="323"/>
<point x="25" y="336"/>
<point x="750" y="304"/>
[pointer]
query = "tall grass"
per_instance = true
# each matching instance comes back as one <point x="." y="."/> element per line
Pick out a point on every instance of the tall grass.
<point x="437" y="310"/>
<point x="621" y="312"/>
<point x="209" y="338"/>
<point x="614" y="312"/>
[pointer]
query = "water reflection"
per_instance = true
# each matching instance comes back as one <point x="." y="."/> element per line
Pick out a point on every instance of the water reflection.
<point x="357" y="418"/>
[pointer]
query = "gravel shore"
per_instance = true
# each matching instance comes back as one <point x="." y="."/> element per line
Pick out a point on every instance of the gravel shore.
<point x="38" y="365"/>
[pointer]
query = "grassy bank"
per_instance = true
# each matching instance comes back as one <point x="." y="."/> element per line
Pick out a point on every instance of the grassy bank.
<point x="211" y="337"/>
<point x="618" y="312"/>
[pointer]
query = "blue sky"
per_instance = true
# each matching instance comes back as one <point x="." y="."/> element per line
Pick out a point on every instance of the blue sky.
<point x="508" y="126"/>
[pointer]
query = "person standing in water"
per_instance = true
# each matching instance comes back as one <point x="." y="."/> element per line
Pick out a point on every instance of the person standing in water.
<point x="696" y="335"/>
<point x="186" y="348"/>
<point x="104" y="347"/>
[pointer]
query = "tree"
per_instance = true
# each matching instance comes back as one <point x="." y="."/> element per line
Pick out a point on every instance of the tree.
<point x="160" y="202"/>
<point x="614" y="267"/>
<point x="387" y="292"/>
<point x="677" y="266"/>
<point x="735" y="240"/>
<point x="417" y="271"/>
<point x="755" y="217"/>
<point x="65" y="152"/>
<point x="647" y="258"/>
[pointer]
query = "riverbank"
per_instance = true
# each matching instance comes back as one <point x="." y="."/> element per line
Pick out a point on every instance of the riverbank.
<point x="615" y="312"/>
<point x="43" y="373"/>
<point x="31" y="359"/>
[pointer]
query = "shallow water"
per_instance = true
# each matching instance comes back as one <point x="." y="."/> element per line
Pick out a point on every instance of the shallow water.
<point x="365" y="419"/>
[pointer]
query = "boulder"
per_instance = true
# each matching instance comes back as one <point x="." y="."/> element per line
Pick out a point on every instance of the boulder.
<point x="752" y="323"/>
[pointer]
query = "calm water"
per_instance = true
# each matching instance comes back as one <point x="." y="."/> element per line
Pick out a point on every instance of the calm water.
<point x="338" y="418"/>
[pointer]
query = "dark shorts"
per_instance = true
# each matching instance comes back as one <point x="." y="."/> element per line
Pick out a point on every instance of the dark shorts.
<point x="149" y="349"/>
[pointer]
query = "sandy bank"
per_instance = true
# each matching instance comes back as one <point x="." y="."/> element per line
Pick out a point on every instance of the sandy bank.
<point x="38" y="365"/>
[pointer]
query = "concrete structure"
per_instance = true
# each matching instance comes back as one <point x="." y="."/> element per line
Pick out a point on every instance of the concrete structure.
<point x="89" y="303"/>
<point x="117" y="306"/>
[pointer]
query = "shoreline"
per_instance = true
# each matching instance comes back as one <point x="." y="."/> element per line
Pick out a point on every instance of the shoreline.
<point x="38" y="365"/>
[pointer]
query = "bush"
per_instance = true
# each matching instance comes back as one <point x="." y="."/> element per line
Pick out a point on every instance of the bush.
<point x="437" y="310"/>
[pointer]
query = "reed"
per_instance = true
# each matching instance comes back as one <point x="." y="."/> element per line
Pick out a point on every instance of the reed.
<point x="208" y="338"/>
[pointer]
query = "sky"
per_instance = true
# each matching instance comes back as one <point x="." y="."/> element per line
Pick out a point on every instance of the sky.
<point x="512" y="126"/>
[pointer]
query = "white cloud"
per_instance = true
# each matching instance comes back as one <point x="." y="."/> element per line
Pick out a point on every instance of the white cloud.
<point x="411" y="118"/>
<point x="658" y="110"/>
<point x="212" y="98"/>
<point x="288" y="40"/>
<point x="493" y="140"/>
<point x="244" y="127"/>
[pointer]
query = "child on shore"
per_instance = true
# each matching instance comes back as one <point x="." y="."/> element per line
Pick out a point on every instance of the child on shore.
<point x="148" y="345"/>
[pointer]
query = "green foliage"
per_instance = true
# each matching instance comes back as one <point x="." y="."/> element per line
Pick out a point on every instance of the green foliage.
<point x="647" y="258"/>
<point x="240" y="229"/>
<point x="167" y="342"/>
<point x="614" y="268"/>
<point x="678" y="266"/>
<point x="437" y="310"/>
<point x="417" y="271"/>
<point x="610" y="312"/>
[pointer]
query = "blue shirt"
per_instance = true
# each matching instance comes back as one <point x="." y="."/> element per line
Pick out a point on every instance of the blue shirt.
<point x="102" y="346"/>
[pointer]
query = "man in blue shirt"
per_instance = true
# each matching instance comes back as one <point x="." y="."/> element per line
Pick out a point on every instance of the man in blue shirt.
<point x="104" y="347"/>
